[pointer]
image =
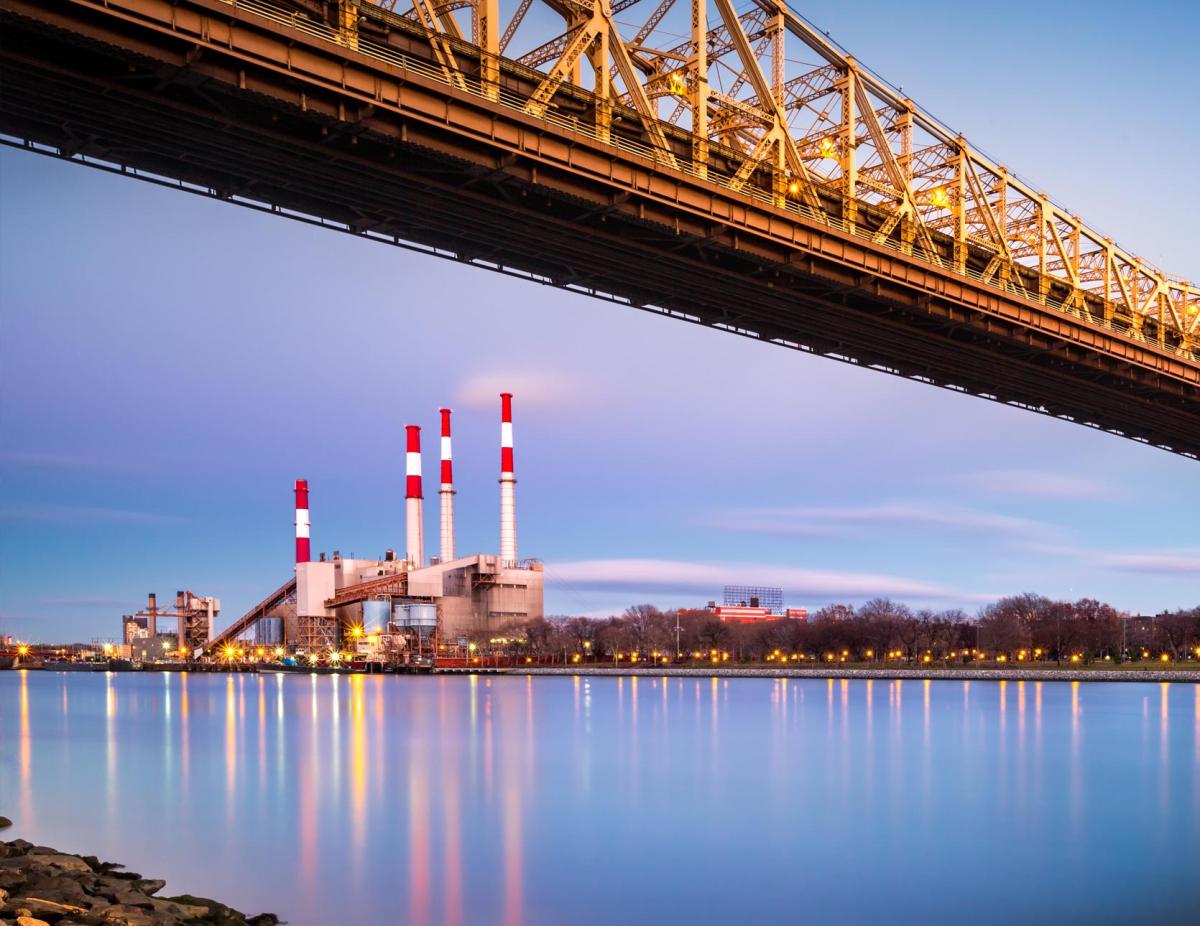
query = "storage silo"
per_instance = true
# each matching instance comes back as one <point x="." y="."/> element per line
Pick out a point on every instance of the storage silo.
<point x="268" y="631"/>
<point x="375" y="616"/>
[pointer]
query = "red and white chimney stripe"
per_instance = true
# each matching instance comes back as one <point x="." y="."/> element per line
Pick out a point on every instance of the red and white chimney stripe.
<point x="302" y="523"/>
<point x="414" y="526"/>
<point x="446" y="492"/>
<point x="508" y="482"/>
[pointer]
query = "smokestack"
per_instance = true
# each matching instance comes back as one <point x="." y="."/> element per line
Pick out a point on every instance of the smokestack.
<point x="302" y="525"/>
<point x="446" y="492"/>
<point x="508" y="484"/>
<point x="414" y="524"/>
<point x="153" y="609"/>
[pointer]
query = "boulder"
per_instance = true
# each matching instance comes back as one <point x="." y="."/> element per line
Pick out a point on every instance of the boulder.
<point x="56" y="860"/>
<point x="185" y="911"/>
<point x="41" y="906"/>
<point x="124" y="915"/>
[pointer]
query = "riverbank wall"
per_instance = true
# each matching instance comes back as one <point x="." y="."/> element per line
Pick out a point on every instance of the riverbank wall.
<point x="1191" y="676"/>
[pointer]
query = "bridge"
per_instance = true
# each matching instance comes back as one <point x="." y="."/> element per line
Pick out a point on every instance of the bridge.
<point x="685" y="165"/>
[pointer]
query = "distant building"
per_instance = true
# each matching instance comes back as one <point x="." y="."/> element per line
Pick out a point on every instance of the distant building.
<point x="134" y="629"/>
<point x="754" y="596"/>
<point x="741" y="615"/>
<point x="748" y="603"/>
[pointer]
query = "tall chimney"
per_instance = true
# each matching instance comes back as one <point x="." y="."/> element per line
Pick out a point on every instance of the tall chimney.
<point x="446" y="492"/>
<point x="508" y="483"/>
<point x="415" y="527"/>
<point x="153" y="609"/>
<point x="302" y="524"/>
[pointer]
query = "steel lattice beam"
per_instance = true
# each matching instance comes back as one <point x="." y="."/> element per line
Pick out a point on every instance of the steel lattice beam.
<point x="867" y="234"/>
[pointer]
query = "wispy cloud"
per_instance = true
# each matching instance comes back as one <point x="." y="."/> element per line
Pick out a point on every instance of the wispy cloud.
<point x="705" y="579"/>
<point x="1186" y="563"/>
<point x="78" y="514"/>
<point x="850" y="520"/>
<point x="1034" y="483"/>
<point x="541" y="388"/>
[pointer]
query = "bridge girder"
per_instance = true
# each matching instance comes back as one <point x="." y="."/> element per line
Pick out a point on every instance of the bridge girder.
<point x="868" y="233"/>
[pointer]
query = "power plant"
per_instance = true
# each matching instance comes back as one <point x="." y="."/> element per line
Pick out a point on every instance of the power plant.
<point x="403" y="611"/>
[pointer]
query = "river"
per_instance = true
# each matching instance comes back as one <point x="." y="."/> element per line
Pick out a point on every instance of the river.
<point x="516" y="800"/>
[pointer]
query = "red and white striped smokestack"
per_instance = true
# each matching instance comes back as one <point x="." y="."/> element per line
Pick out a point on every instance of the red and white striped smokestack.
<point x="302" y="522"/>
<point x="508" y="484"/>
<point x="414" y="524"/>
<point x="446" y="492"/>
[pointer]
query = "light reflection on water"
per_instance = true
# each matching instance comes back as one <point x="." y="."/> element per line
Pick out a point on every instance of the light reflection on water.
<point x="643" y="800"/>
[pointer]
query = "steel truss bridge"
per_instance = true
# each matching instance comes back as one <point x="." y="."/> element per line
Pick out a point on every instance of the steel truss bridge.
<point x="728" y="167"/>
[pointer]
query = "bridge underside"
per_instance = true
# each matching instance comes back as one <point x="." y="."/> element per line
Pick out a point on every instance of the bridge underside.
<point x="423" y="162"/>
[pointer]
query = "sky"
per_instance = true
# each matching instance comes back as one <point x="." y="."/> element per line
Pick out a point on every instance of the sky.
<point x="169" y="365"/>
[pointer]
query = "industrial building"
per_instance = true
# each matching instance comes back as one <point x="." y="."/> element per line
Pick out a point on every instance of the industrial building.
<point x="749" y="603"/>
<point x="399" y="608"/>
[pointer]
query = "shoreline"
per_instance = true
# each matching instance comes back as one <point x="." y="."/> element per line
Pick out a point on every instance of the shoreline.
<point x="1013" y="674"/>
<point x="991" y="675"/>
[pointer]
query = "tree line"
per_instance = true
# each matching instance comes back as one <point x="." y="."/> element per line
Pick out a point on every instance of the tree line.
<point x="1024" y="627"/>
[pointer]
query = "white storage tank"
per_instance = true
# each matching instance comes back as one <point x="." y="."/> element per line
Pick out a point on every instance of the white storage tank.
<point x="375" y="616"/>
<point x="422" y="616"/>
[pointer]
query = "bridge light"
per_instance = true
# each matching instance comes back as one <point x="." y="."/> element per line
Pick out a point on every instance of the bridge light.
<point x="828" y="149"/>
<point x="939" y="198"/>
<point x="356" y="631"/>
<point x="794" y="188"/>
<point x="677" y="83"/>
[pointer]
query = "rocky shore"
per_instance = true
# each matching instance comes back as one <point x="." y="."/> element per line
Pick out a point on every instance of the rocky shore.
<point x="966" y="674"/>
<point x="40" y="886"/>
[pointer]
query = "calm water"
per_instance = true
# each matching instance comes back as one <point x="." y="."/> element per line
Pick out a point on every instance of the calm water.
<point x="595" y="800"/>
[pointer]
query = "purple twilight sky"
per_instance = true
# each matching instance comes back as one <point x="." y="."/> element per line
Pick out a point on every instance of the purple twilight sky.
<point x="170" y="364"/>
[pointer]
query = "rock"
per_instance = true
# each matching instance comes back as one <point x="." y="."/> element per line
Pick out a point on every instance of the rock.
<point x="5" y="823"/>
<point x="180" y="910"/>
<point x="57" y="887"/>
<point x="42" y="907"/>
<point x="30" y="921"/>
<point x="132" y="898"/>
<point x="57" y="860"/>
<point x="124" y="915"/>
<point x="150" y="885"/>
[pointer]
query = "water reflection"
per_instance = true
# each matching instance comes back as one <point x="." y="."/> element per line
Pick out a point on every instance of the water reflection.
<point x="520" y="800"/>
